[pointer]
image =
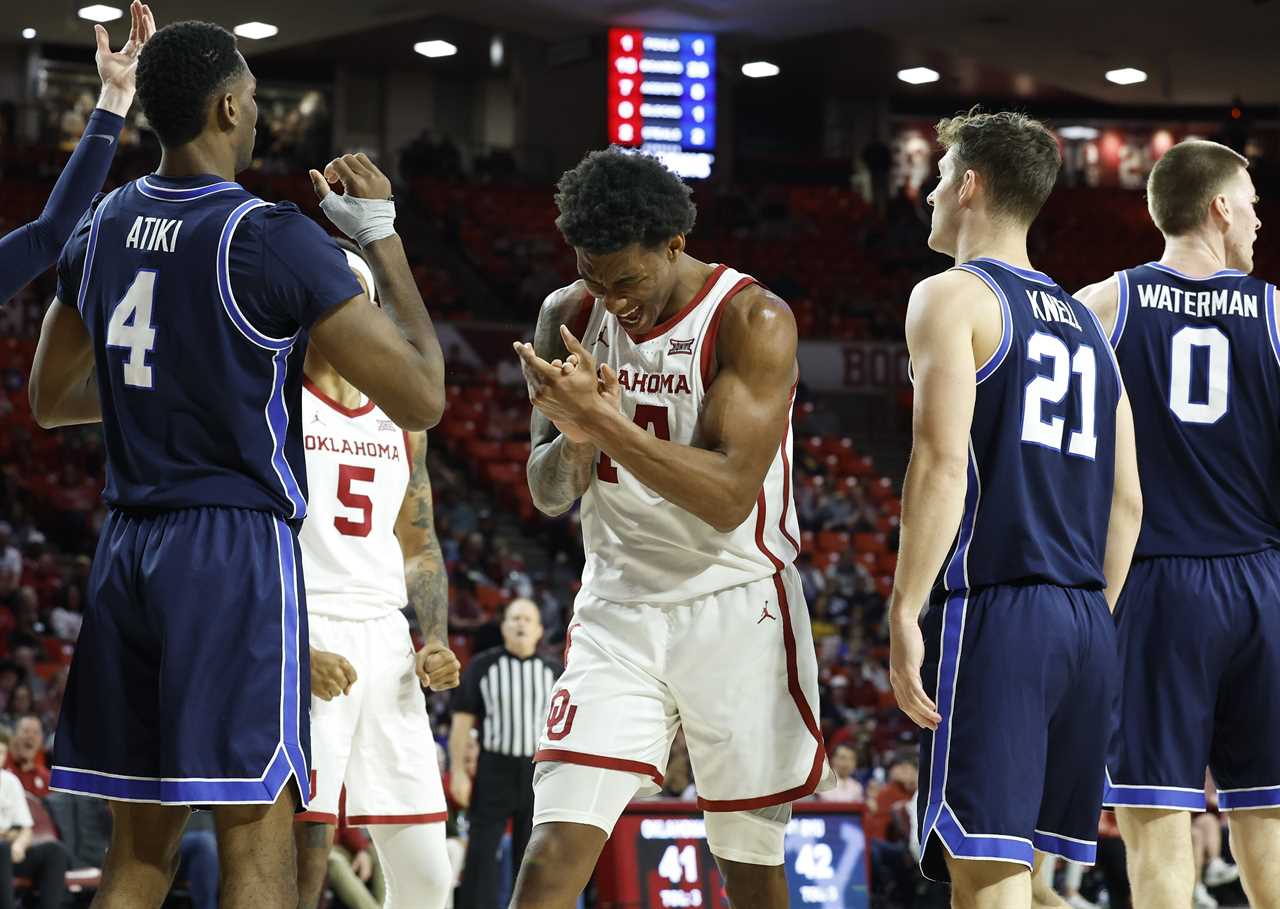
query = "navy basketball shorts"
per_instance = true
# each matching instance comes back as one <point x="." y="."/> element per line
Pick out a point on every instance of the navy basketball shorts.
<point x="191" y="677"/>
<point x="1200" y="664"/>
<point x="1024" y="678"/>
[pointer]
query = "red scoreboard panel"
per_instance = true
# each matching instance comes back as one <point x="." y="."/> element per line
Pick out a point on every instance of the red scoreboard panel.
<point x="658" y="858"/>
<point x="662" y="96"/>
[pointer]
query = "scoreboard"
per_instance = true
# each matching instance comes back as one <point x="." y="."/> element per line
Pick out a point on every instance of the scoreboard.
<point x="658" y="858"/>
<point x="662" y="96"/>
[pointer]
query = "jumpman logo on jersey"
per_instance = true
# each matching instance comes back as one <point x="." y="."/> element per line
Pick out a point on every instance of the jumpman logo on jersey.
<point x="601" y="340"/>
<point x="315" y="418"/>
<point x="765" y="614"/>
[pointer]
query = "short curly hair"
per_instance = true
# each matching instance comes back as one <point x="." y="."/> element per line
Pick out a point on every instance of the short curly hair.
<point x="1017" y="156"/>
<point x="179" y="69"/>
<point x="615" y="198"/>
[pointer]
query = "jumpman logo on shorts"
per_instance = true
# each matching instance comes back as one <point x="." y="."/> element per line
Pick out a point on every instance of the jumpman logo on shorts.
<point x="765" y="614"/>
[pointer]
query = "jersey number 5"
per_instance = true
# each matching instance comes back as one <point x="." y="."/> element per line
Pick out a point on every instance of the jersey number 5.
<point x="130" y="328"/>
<point x="648" y="416"/>
<point x="348" y="474"/>
<point x="1053" y="388"/>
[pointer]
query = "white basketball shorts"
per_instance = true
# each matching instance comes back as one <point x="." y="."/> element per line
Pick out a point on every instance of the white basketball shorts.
<point x="377" y="739"/>
<point x="736" y="669"/>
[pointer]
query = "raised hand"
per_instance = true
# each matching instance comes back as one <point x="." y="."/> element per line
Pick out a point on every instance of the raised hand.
<point x="365" y="211"/>
<point x="359" y="177"/>
<point x="568" y="394"/>
<point x="118" y="69"/>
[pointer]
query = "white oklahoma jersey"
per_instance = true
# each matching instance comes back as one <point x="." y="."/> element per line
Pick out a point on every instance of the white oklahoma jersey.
<point x="640" y="547"/>
<point x="678" y="624"/>
<point x="375" y="740"/>
<point x="357" y="474"/>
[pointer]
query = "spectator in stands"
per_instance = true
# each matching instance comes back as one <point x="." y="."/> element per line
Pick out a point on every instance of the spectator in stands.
<point x="10" y="561"/>
<point x="26" y="656"/>
<point x="20" y="704"/>
<point x="66" y="618"/>
<point x="26" y="758"/>
<point x="45" y="864"/>
<point x="84" y="825"/>
<point x="904" y="778"/>
<point x="844" y="761"/>
<point x="27" y="632"/>
<point x="811" y="577"/>
<point x="354" y="874"/>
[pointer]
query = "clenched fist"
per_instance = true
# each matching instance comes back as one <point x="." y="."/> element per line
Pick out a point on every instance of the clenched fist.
<point x="331" y="675"/>
<point x="437" y="667"/>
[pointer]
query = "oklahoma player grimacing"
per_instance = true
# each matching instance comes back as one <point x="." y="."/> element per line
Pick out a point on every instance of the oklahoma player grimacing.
<point x="368" y="546"/>
<point x="671" y="420"/>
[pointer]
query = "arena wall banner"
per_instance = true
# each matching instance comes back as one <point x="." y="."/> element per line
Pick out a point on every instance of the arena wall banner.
<point x="853" y="366"/>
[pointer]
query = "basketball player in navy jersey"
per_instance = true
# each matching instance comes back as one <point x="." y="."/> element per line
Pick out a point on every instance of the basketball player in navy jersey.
<point x="183" y="312"/>
<point x="1022" y="490"/>
<point x="1199" y="621"/>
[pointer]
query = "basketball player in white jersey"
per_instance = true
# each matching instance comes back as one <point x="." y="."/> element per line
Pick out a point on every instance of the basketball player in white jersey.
<point x="368" y="547"/>
<point x="670" y="419"/>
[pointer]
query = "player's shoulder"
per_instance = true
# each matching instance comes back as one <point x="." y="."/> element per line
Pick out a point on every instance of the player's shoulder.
<point x="955" y="290"/>
<point x="951" y="301"/>
<point x="1100" y="295"/>
<point x="563" y="303"/>
<point x="756" y="316"/>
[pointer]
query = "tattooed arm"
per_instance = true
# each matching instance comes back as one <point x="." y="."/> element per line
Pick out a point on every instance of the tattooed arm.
<point x="559" y="469"/>
<point x="425" y="576"/>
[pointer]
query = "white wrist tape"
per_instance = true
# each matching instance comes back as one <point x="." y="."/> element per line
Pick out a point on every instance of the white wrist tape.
<point x="363" y="220"/>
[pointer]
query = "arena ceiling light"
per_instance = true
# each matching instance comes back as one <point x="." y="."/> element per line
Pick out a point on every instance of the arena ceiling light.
<point x="256" y="31"/>
<point x="1126" y="76"/>
<point x="435" y="48"/>
<point x="100" y="13"/>
<point x="1078" y="132"/>
<point x="918" y="75"/>
<point x="760" y="69"/>
<point x="28" y="33"/>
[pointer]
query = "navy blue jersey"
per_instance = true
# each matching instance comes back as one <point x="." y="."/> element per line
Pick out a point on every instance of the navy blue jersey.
<point x="1200" y="360"/>
<point x="198" y="297"/>
<point x="1042" y="446"/>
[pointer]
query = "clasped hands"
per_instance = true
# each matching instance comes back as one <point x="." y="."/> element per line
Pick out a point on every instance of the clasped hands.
<point x="574" y="393"/>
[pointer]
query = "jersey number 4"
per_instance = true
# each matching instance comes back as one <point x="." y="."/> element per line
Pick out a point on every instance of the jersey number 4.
<point x="130" y="328"/>
<point x="648" y="416"/>
<point x="1052" y="388"/>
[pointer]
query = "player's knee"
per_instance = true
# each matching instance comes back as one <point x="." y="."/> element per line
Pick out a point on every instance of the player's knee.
<point x="749" y="837"/>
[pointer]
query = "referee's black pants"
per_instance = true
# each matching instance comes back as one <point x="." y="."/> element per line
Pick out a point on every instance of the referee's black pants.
<point x="503" y="790"/>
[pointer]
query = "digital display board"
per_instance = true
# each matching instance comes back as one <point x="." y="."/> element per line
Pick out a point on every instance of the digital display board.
<point x="662" y="96"/>
<point x="658" y="858"/>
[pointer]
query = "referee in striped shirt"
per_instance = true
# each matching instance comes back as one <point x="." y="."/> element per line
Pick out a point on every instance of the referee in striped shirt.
<point x="505" y="690"/>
